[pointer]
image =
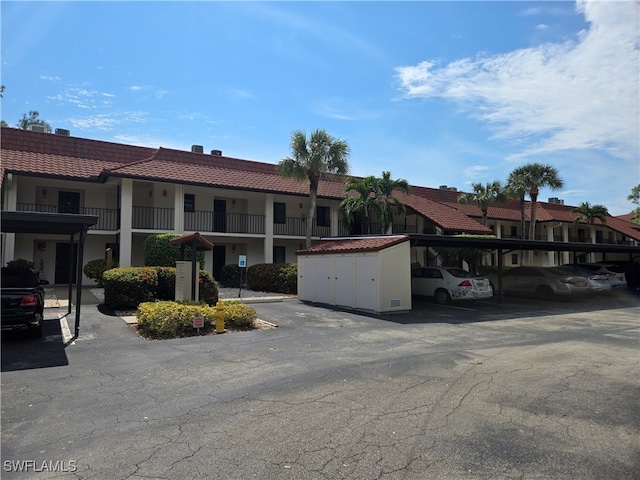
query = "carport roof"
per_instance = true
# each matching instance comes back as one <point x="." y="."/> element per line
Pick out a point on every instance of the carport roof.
<point x="449" y="241"/>
<point x="52" y="223"/>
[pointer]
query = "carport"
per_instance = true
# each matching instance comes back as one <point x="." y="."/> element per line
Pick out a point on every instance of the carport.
<point x="506" y="245"/>
<point x="58" y="224"/>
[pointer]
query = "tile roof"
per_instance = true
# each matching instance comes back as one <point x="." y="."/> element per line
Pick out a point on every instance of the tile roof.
<point x="353" y="245"/>
<point x="51" y="155"/>
<point x="444" y="216"/>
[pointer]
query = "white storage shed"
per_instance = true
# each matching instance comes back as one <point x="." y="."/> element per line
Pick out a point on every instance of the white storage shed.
<point x="363" y="273"/>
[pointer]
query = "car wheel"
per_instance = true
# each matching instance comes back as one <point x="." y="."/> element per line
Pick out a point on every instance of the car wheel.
<point x="545" y="292"/>
<point x="442" y="296"/>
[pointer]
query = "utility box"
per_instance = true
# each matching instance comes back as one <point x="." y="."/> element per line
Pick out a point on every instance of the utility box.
<point x="184" y="280"/>
<point x="362" y="273"/>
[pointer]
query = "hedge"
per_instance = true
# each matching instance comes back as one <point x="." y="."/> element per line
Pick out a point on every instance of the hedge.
<point x="127" y="287"/>
<point x="273" y="277"/>
<point x="158" y="252"/>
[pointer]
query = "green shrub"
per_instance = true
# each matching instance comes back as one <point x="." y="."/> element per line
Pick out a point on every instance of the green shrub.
<point x="22" y="263"/>
<point x="158" y="252"/>
<point x="239" y="314"/>
<point x="172" y="319"/>
<point x="166" y="289"/>
<point x="94" y="269"/>
<point x="273" y="277"/>
<point x="127" y="287"/>
<point x="230" y="276"/>
<point x="208" y="288"/>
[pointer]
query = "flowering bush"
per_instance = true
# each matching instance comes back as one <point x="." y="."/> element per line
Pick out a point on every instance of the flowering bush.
<point x="239" y="314"/>
<point x="127" y="287"/>
<point x="172" y="319"/>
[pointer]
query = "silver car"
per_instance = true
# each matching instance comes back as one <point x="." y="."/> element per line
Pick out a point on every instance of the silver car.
<point x="449" y="283"/>
<point x="616" y="277"/>
<point x="544" y="282"/>
<point x="598" y="282"/>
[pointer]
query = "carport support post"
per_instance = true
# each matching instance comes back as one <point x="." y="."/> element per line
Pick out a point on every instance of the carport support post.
<point x="500" y="275"/>
<point x="194" y="268"/>
<point x="81" y="240"/>
<point x="70" y="270"/>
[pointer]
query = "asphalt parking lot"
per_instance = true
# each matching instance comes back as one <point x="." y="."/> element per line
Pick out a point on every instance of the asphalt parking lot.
<point x="519" y="389"/>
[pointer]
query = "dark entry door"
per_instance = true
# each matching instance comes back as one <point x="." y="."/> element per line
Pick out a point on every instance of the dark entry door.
<point x="68" y="202"/>
<point x="219" y="259"/>
<point x="62" y="273"/>
<point x="219" y="215"/>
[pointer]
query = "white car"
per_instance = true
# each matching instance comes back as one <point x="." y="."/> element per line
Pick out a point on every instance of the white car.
<point x="449" y="283"/>
<point x="616" y="278"/>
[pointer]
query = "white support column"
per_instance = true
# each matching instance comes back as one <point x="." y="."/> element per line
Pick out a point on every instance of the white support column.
<point x="498" y="232"/>
<point x="178" y="206"/>
<point x="10" y="203"/>
<point x="565" y="238"/>
<point x="126" y="222"/>
<point x="334" y="221"/>
<point x="268" y="228"/>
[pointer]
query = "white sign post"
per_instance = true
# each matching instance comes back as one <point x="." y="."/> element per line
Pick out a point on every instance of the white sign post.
<point x="242" y="264"/>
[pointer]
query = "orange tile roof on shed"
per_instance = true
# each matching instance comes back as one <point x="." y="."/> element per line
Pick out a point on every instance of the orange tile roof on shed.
<point x="353" y="245"/>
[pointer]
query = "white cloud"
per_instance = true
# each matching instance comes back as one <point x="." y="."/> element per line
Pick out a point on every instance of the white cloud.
<point x="475" y="172"/>
<point x="53" y="78"/>
<point x="580" y="94"/>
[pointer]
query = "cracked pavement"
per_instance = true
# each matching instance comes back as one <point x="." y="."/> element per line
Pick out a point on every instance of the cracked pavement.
<point x="520" y="390"/>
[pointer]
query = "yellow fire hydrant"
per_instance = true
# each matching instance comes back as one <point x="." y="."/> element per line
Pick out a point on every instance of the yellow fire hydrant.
<point x="220" y="315"/>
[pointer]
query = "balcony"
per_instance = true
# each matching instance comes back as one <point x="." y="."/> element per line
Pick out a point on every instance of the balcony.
<point x="108" y="218"/>
<point x="297" y="227"/>
<point x="206" y="221"/>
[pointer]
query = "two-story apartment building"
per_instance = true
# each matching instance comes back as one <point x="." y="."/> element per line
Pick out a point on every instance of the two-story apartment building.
<point x="242" y="207"/>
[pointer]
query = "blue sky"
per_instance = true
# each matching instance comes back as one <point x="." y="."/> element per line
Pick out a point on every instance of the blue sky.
<point x="438" y="93"/>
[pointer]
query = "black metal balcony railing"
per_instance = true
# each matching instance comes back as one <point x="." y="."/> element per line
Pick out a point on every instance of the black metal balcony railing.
<point x="153" y="218"/>
<point x="108" y="218"/>
<point x="297" y="227"/>
<point x="205" y="221"/>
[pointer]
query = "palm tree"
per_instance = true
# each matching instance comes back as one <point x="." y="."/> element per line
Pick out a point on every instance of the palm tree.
<point x="389" y="204"/>
<point x="357" y="208"/>
<point x="516" y="188"/>
<point x="589" y="213"/>
<point x="535" y="176"/>
<point x="311" y="158"/>
<point x="483" y="195"/>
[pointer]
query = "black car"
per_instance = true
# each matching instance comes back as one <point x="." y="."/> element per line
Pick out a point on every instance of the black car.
<point x="22" y="301"/>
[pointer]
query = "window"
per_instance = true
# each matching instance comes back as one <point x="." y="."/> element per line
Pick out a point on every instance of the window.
<point x="189" y="202"/>
<point x="514" y="259"/>
<point x="323" y="216"/>
<point x="279" y="212"/>
<point x="279" y="254"/>
<point x="514" y="231"/>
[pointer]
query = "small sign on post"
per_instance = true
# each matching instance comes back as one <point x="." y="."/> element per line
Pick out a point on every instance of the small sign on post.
<point x="242" y="264"/>
<point x="198" y="323"/>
